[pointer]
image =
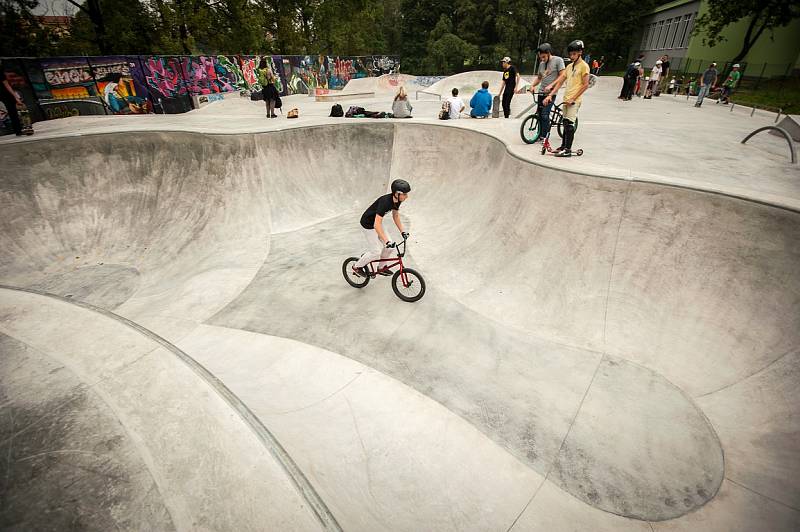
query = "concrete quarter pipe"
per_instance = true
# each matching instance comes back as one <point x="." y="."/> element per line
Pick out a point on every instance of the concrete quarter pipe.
<point x="624" y="351"/>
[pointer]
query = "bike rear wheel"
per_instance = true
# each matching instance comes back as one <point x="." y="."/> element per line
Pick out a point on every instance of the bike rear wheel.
<point x="350" y="276"/>
<point x="561" y="127"/>
<point x="410" y="289"/>
<point x="529" y="130"/>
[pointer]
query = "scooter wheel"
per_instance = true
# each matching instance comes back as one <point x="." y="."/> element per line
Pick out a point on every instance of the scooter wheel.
<point x="544" y="150"/>
<point x="579" y="153"/>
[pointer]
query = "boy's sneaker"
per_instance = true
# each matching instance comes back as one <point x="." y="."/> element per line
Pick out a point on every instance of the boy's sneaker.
<point x="563" y="153"/>
<point x="385" y="271"/>
<point x="558" y="150"/>
<point x="360" y="272"/>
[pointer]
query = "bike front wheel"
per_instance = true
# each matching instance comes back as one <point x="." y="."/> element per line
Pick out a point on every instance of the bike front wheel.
<point x="408" y="285"/>
<point x="529" y="130"/>
<point x="356" y="281"/>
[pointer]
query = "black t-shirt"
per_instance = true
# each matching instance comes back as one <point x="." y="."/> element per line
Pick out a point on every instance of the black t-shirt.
<point x="379" y="207"/>
<point x="664" y="68"/>
<point x="510" y="77"/>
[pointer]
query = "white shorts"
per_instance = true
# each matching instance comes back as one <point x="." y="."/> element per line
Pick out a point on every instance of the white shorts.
<point x="375" y="248"/>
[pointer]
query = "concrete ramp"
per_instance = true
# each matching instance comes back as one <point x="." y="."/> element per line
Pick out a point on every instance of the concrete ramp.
<point x="468" y="83"/>
<point x="591" y="354"/>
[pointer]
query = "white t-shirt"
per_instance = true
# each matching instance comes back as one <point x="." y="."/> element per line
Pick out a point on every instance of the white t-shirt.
<point x="655" y="73"/>
<point x="456" y="106"/>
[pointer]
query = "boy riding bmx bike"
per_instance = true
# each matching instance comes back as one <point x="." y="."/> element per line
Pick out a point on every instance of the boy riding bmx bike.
<point x="379" y="245"/>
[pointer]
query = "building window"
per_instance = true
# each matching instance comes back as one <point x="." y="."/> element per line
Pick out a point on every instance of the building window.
<point x="673" y="29"/>
<point x="657" y="37"/>
<point x="688" y="33"/>
<point x="663" y="37"/>
<point x="679" y="34"/>
<point x="645" y="35"/>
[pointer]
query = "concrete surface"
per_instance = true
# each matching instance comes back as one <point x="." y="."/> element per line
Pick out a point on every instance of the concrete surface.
<point x="592" y="353"/>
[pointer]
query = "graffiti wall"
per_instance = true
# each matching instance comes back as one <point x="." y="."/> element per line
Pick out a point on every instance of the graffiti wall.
<point x="163" y="76"/>
<point x="204" y="75"/>
<point x="120" y="91"/>
<point x="305" y="73"/>
<point x="68" y="86"/>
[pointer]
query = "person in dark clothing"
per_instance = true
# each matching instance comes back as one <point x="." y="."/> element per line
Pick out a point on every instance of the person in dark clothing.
<point x="509" y="85"/>
<point x="379" y="244"/>
<point x="629" y="81"/>
<point x="271" y="96"/>
<point x="11" y="100"/>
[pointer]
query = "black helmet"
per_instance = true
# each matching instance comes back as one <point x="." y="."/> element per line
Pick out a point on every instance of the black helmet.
<point x="545" y="48"/>
<point x="575" y="46"/>
<point x="401" y="185"/>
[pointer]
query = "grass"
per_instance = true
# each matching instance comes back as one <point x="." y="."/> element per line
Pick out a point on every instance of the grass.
<point x="771" y="94"/>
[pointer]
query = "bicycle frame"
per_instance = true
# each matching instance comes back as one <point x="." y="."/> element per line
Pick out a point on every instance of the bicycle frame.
<point x="556" y="115"/>
<point x="392" y="262"/>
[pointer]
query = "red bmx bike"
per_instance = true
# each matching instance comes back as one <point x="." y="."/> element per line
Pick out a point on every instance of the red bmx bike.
<point x="407" y="284"/>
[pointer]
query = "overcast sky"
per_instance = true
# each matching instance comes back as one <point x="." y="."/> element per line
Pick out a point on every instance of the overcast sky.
<point x="54" y="8"/>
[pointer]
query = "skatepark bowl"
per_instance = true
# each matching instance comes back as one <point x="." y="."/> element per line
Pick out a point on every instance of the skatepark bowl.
<point x="181" y="352"/>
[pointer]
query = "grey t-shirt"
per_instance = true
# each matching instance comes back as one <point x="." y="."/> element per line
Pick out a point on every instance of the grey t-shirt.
<point x="709" y="76"/>
<point x="549" y="72"/>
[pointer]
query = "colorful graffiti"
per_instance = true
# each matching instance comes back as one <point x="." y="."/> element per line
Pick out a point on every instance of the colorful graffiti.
<point x="68" y="79"/>
<point x="121" y="93"/>
<point x="144" y="84"/>
<point x="229" y="69"/>
<point x="163" y="76"/>
<point x="305" y="73"/>
<point x="200" y="73"/>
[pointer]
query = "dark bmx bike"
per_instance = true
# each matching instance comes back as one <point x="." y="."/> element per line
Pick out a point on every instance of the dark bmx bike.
<point x="407" y="284"/>
<point x="530" y="129"/>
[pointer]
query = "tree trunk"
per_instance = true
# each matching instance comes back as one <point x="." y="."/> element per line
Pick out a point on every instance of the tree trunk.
<point x="749" y="39"/>
<point x="96" y="16"/>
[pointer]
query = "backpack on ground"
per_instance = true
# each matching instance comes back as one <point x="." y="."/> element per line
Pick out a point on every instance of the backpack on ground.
<point x="444" y="114"/>
<point x="294" y="113"/>
<point x="337" y="111"/>
<point x="353" y="111"/>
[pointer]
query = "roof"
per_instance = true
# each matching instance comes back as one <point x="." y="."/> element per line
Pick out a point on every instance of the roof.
<point x="669" y="5"/>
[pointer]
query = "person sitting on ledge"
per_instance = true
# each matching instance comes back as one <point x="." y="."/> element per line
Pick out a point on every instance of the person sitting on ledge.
<point x="401" y="107"/>
<point x="481" y="102"/>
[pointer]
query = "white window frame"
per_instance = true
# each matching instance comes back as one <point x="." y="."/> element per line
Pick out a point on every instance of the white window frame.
<point x="689" y="27"/>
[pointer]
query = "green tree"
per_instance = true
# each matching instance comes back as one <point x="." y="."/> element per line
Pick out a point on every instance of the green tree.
<point x="763" y="14"/>
<point x="20" y="31"/>
<point x="518" y="23"/>
<point x="447" y="52"/>
<point x="104" y="27"/>
<point x="606" y="27"/>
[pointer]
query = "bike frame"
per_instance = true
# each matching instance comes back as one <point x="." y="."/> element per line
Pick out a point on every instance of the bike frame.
<point x="391" y="263"/>
<point x="556" y="116"/>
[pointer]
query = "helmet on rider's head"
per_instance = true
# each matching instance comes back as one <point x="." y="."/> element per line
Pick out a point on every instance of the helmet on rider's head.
<point x="575" y="46"/>
<point x="400" y="185"/>
<point x="735" y="66"/>
<point x="545" y="48"/>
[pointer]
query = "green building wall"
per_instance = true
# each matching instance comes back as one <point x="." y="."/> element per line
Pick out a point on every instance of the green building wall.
<point x="779" y="51"/>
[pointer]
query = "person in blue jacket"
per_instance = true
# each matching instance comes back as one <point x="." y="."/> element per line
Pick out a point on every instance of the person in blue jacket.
<point x="481" y="102"/>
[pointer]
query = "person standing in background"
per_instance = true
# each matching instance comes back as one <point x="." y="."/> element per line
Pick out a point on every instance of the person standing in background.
<point x="509" y="85"/>
<point x="664" y="79"/>
<point x="707" y="81"/>
<point x="271" y="96"/>
<point x="12" y="101"/>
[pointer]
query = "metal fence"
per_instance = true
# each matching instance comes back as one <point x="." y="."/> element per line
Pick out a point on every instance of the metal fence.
<point x="754" y="75"/>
